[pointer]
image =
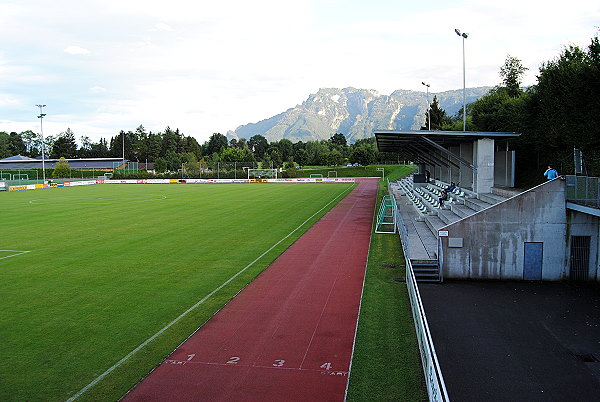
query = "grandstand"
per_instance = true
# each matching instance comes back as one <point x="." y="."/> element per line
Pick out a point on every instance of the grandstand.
<point x="487" y="229"/>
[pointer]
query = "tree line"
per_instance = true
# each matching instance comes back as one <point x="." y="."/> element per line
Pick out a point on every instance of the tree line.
<point x="171" y="150"/>
<point x="557" y="114"/>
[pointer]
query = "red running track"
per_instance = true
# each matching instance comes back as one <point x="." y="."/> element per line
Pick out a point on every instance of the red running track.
<point x="289" y="334"/>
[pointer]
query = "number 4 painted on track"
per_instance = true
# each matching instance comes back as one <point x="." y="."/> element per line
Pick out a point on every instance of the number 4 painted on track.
<point x="326" y="366"/>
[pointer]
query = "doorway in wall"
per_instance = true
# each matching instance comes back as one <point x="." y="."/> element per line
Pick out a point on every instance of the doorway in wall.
<point x="532" y="263"/>
<point x="580" y="258"/>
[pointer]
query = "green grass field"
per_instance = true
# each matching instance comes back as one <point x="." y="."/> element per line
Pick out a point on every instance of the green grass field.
<point x="386" y="365"/>
<point x="104" y="268"/>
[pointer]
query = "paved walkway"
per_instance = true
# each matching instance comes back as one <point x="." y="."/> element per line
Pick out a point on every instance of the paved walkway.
<point x="422" y="242"/>
<point x="288" y="336"/>
<point x="516" y="341"/>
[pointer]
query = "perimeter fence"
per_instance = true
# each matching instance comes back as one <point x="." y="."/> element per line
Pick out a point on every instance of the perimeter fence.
<point x="583" y="190"/>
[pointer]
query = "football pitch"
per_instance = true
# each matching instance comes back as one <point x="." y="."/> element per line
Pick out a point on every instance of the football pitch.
<point x="100" y="283"/>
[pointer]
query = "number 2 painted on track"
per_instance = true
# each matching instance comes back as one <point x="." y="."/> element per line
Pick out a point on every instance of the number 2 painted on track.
<point x="279" y="363"/>
<point x="326" y="366"/>
<point x="233" y="360"/>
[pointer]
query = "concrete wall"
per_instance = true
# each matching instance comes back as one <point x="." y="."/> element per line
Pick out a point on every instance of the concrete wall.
<point x="493" y="239"/>
<point x="581" y="224"/>
<point x="484" y="160"/>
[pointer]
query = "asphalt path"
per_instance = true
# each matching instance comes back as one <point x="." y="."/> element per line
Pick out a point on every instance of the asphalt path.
<point x="516" y="341"/>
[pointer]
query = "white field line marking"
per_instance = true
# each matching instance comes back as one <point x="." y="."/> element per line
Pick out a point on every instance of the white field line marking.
<point x="169" y="325"/>
<point x="16" y="253"/>
<point x="104" y="200"/>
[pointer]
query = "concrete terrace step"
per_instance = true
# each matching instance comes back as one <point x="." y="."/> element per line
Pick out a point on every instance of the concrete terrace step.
<point x="462" y="210"/>
<point x="426" y="271"/>
<point x="434" y="223"/>
<point x="491" y="198"/>
<point x="448" y="216"/>
<point x="477" y="205"/>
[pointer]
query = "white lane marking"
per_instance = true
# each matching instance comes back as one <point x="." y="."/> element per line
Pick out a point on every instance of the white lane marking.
<point x="16" y="253"/>
<point x="169" y="325"/>
<point x="318" y="322"/>
<point x="273" y="366"/>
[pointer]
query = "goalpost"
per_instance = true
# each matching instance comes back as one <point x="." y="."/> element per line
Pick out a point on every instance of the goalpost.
<point x="259" y="174"/>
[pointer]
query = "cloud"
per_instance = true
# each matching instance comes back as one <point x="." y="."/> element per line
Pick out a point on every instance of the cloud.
<point x="161" y="26"/>
<point x="76" y="50"/>
<point x="97" y="89"/>
<point x="233" y="62"/>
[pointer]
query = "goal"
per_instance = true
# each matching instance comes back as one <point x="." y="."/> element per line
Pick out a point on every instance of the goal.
<point x="262" y="174"/>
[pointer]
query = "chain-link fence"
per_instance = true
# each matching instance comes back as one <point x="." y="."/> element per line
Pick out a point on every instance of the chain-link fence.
<point x="584" y="190"/>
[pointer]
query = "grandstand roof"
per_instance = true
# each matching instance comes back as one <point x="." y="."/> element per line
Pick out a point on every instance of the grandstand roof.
<point x="410" y="143"/>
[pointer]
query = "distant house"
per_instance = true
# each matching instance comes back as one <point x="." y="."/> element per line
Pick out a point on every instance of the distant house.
<point x="24" y="162"/>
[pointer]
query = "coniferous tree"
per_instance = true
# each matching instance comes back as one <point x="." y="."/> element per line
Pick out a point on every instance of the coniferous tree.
<point x="437" y="115"/>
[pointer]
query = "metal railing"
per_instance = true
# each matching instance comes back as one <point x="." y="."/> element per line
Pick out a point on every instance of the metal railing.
<point x="583" y="190"/>
<point x="434" y="379"/>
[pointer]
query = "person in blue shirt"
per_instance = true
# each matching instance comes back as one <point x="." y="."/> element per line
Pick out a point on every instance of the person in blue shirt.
<point x="551" y="173"/>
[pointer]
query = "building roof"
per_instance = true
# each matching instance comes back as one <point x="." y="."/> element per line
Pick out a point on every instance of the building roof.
<point x="84" y="163"/>
<point x="421" y="145"/>
<point x="399" y="141"/>
<point x="17" y="158"/>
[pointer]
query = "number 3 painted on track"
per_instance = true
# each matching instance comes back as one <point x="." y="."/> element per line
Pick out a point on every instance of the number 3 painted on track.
<point x="279" y="363"/>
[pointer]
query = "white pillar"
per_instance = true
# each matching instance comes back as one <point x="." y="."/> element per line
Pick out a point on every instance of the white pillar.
<point x="484" y="161"/>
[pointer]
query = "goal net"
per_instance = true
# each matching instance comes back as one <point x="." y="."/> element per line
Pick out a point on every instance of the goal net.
<point x="262" y="173"/>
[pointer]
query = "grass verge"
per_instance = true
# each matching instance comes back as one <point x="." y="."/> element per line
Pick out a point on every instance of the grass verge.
<point x="386" y="365"/>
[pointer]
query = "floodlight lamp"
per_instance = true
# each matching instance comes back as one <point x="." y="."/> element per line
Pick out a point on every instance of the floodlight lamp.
<point x="457" y="32"/>
<point x="465" y="35"/>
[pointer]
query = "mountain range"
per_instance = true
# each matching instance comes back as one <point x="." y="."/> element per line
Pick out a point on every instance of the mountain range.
<point x="356" y="113"/>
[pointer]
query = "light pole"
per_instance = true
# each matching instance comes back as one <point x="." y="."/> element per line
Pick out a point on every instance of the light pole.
<point x="464" y="36"/>
<point x="428" y="108"/>
<point x="123" y="137"/>
<point x="41" y="117"/>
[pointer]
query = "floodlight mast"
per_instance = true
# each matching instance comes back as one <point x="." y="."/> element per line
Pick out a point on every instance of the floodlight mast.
<point x="41" y="117"/>
<point x="464" y="36"/>
<point x="428" y="108"/>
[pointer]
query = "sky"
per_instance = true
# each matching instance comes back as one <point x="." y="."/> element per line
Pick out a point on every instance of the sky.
<point x="207" y="67"/>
